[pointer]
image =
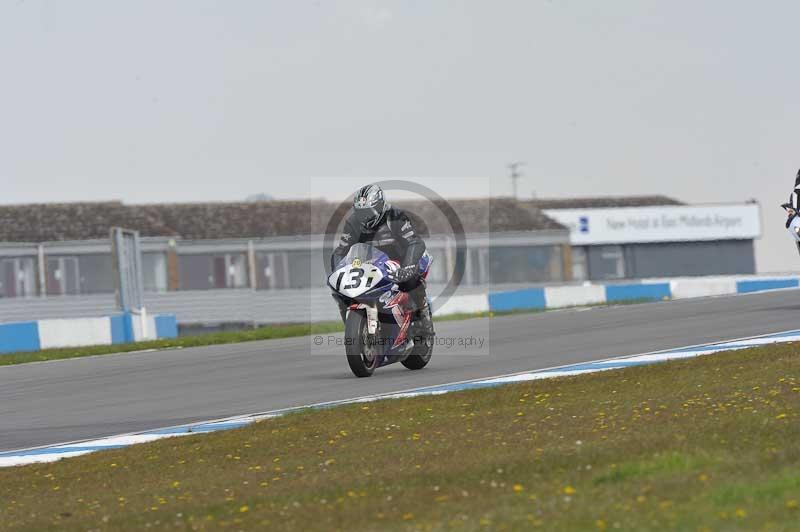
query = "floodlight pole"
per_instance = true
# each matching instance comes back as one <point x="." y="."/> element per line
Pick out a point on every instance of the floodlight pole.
<point x="514" y="169"/>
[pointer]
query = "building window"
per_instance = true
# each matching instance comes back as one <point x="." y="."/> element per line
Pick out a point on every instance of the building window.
<point x="82" y="274"/>
<point x="155" y="272"/>
<point x="476" y="272"/>
<point x="272" y="270"/>
<point x="17" y="277"/>
<point x="525" y="264"/>
<point x="438" y="271"/>
<point x="205" y="272"/>
<point x="265" y="271"/>
<point x="62" y="276"/>
<point x="606" y="262"/>
<point x="96" y="274"/>
<point x="305" y="269"/>
<point x="580" y="269"/>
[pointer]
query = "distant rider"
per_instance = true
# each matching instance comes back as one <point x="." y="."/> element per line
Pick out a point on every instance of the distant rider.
<point x="792" y="209"/>
<point x="793" y="206"/>
<point x="391" y="230"/>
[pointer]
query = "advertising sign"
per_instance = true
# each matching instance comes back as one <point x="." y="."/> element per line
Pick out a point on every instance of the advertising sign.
<point x="669" y="223"/>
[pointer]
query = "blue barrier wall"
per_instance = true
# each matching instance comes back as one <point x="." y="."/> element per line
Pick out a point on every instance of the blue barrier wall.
<point x="634" y="292"/>
<point x="536" y="298"/>
<point x="166" y="326"/>
<point x="119" y="331"/>
<point x="744" y="287"/>
<point x="16" y="337"/>
<point x="28" y="336"/>
<point x="532" y="298"/>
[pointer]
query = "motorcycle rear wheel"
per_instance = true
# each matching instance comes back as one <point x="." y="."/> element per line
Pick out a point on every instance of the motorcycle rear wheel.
<point x="361" y="356"/>
<point x="420" y="356"/>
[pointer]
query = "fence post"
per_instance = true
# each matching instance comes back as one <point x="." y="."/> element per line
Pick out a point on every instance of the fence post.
<point x="173" y="267"/>
<point x="42" y="271"/>
<point x="126" y="253"/>
<point x="251" y="265"/>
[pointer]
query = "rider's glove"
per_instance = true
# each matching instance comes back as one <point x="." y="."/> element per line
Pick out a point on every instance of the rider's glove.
<point x="404" y="274"/>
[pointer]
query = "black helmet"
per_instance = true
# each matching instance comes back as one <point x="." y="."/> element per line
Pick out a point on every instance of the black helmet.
<point x="369" y="206"/>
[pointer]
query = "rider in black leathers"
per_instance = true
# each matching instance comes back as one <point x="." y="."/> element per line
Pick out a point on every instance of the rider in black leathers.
<point x="792" y="207"/>
<point x="389" y="229"/>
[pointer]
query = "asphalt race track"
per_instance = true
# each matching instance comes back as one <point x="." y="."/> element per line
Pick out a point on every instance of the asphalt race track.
<point x="61" y="401"/>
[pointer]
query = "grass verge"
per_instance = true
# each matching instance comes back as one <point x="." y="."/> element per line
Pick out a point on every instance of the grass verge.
<point x="269" y="332"/>
<point x="708" y="443"/>
<point x="224" y="337"/>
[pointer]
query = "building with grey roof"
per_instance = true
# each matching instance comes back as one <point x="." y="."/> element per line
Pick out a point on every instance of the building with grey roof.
<point x="64" y="249"/>
<point x="654" y="236"/>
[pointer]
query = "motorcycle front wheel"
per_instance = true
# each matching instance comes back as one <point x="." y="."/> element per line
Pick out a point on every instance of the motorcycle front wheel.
<point x="360" y="347"/>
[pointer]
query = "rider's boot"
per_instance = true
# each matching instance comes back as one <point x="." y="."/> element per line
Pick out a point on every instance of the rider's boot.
<point x="407" y="347"/>
<point x="424" y="321"/>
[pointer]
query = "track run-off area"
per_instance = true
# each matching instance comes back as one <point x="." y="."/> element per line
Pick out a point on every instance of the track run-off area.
<point x="87" y="398"/>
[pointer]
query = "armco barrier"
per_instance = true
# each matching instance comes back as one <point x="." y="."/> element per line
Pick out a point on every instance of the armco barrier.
<point x="73" y="333"/>
<point x="463" y="304"/>
<point x="124" y="328"/>
<point x="573" y="296"/>
<point x="24" y="334"/>
<point x="765" y="284"/>
<point x="703" y="287"/>
<point x="591" y="294"/>
<point x="637" y="292"/>
<point x="531" y="298"/>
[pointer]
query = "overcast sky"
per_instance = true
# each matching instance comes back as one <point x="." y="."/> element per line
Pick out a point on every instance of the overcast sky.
<point x="194" y="100"/>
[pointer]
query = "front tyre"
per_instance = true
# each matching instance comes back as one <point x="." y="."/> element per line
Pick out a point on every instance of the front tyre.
<point x="360" y="347"/>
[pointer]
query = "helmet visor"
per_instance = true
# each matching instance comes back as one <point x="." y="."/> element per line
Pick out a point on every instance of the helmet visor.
<point x="366" y="216"/>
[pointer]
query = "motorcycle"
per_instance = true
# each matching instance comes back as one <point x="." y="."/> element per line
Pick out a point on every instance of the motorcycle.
<point x="380" y="328"/>
<point x="793" y="224"/>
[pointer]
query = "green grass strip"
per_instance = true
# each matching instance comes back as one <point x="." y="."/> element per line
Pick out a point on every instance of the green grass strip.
<point x="703" y="444"/>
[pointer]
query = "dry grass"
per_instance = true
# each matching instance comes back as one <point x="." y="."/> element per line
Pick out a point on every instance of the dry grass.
<point x="709" y="443"/>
